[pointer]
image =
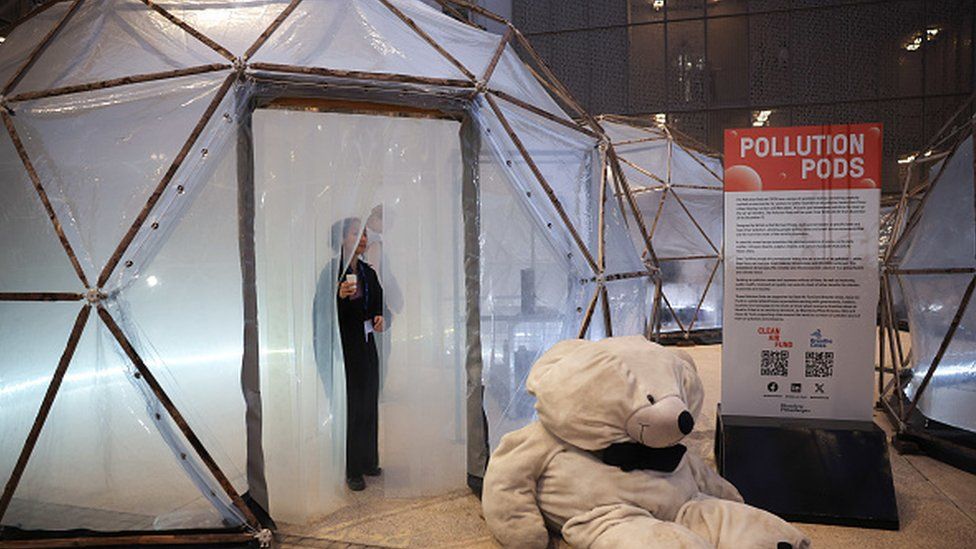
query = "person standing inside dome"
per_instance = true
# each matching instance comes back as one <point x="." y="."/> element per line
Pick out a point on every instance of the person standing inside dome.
<point x="360" y="312"/>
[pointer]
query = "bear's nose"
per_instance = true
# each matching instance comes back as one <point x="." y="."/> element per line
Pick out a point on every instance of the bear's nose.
<point x="685" y="422"/>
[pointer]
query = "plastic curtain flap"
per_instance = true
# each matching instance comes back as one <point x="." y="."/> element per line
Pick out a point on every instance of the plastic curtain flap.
<point x="398" y="179"/>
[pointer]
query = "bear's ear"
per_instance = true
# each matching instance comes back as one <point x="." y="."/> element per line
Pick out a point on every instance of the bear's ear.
<point x="551" y="358"/>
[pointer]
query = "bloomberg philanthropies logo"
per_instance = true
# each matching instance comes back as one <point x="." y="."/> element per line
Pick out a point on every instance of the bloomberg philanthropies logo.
<point x="817" y="340"/>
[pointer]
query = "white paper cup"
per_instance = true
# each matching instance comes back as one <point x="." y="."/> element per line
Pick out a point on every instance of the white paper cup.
<point x="351" y="278"/>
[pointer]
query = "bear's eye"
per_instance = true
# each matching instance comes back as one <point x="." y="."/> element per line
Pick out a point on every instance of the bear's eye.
<point x="650" y="399"/>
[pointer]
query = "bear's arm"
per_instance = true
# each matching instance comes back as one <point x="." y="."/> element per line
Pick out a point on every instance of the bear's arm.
<point x="709" y="481"/>
<point x="509" y="495"/>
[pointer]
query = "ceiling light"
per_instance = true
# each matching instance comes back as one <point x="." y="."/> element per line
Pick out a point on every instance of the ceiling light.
<point x="760" y="118"/>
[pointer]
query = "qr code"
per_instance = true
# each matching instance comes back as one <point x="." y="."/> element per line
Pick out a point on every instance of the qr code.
<point x="774" y="363"/>
<point x="820" y="364"/>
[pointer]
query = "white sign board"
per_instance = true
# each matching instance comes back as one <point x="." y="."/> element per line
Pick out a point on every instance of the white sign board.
<point x="801" y="271"/>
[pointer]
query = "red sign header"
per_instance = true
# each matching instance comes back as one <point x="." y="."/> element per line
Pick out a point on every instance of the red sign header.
<point x="803" y="158"/>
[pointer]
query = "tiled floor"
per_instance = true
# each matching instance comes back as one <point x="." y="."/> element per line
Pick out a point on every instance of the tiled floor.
<point x="937" y="504"/>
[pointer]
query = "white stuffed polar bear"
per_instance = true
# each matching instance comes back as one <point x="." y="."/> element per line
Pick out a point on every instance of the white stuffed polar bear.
<point x="603" y="464"/>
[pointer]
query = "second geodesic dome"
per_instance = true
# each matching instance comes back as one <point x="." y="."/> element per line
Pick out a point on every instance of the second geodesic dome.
<point x="678" y="189"/>
<point x="171" y="171"/>
<point x="932" y="264"/>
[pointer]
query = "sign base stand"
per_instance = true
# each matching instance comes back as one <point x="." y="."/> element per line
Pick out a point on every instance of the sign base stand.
<point x="809" y="470"/>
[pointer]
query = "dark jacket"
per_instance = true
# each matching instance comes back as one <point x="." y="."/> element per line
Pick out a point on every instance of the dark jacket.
<point x="351" y="314"/>
<point x="354" y="312"/>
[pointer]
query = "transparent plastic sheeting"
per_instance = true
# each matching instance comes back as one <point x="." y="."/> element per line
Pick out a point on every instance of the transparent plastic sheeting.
<point x="316" y="169"/>
<point x="946" y="218"/>
<point x="676" y="234"/>
<point x="195" y="349"/>
<point x="109" y="39"/>
<point x="531" y="295"/>
<point x="105" y="422"/>
<point x="105" y="445"/>
<point x="535" y="284"/>
<point x="31" y="257"/>
<point x="684" y="283"/>
<point x="945" y="237"/>
<point x="233" y="25"/>
<point x="131" y="137"/>
<point x="353" y="35"/>
<point x="176" y="292"/>
<point x="568" y="161"/>
<point x="679" y="195"/>
<point x="366" y="36"/>
<point x="22" y="40"/>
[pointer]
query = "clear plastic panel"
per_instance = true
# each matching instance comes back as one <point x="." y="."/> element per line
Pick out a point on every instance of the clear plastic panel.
<point x="622" y="253"/>
<point x="109" y="39"/>
<point x="683" y="283"/>
<point x="710" y="314"/>
<point x="619" y="133"/>
<point x="472" y="47"/>
<point x="707" y="209"/>
<point x="31" y="256"/>
<point x="354" y="35"/>
<point x="513" y="77"/>
<point x="500" y="152"/>
<point x="933" y="301"/>
<point x="569" y="162"/>
<point x="314" y="170"/>
<point x="676" y="234"/>
<point x="215" y="142"/>
<point x="948" y="218"/>
<point x="131" y="135"/>
<point x="105" y="423"/>
<point x="531" y="296"/>
<point x="33" y="337"/>
<point x="695" y="169"/>
<point x="630" y="305"/>
<point x="638" y="179"/>
<point x="233" y="25"/>
<point x="651" y="157"/>
<point x="184" y="313"/>
<point x="25" y="37"/>
<point x="648" y="203"/>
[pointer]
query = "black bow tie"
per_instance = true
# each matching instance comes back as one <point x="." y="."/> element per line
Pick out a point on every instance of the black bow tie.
<point x="631" y="455"/>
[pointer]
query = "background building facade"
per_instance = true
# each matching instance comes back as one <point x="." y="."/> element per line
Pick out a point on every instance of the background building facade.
<point x="708" y="65"/>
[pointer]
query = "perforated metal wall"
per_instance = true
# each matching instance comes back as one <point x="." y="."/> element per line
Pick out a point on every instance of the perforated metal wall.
<point x="714" y="64"/>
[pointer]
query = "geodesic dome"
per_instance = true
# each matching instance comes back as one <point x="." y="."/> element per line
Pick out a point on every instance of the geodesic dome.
<point x="932" y="264"/>
<point x="678" y="192"/>
<point x="171" y="171"/>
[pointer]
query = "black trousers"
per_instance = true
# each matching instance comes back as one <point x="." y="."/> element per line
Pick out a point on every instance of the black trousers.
<point x="362" y="414"/>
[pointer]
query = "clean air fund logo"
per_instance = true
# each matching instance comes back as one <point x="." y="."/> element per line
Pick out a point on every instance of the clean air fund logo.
<point x="818" y="341"/>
